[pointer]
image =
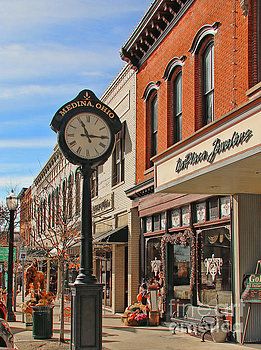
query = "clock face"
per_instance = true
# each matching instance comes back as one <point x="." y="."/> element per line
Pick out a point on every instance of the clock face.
<point x="87" y="135"/>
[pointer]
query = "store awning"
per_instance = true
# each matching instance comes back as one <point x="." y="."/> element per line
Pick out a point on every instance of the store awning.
<point x="119" y="235"/>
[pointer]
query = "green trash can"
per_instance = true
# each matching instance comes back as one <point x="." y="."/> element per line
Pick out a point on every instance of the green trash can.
<point x="42" y="322"/>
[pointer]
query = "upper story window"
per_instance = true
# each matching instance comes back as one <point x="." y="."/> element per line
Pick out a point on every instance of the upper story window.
<point x="154" y="124"/>
<point x="94" y="183"/>
<point x="53" y="208"/>
<point x="49" y="210"/>
<point x="70" y="196"/>
<point x="64" y="195"/>
<point x="151" y="121"/>
<point x="77" y="193"/>
<point x="173" y="75"/>
<point x="208" y="83"/>
<point x="203" y="50"/>
<point x="177" y="107"/>
<point x="118" y="157"/>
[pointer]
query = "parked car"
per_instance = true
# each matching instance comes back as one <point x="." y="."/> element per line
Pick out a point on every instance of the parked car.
<point x="6" y="335"/>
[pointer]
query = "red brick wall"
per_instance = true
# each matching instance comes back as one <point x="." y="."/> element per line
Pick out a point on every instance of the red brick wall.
<point x="231" y="69"/>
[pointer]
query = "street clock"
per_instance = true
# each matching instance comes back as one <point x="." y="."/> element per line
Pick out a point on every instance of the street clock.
<point x="86" y="129"/>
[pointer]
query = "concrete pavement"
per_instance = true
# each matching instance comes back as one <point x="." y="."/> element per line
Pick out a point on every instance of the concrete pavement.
<point x="117" y="336"/>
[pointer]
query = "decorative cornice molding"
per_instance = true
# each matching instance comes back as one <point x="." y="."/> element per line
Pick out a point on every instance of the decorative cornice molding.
<point x="159" y="20"/>
<point x="175" y="62"/>
<point x="207" y="29"/>
<point x="150" y="87"/>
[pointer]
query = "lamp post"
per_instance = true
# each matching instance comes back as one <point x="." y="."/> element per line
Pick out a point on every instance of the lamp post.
<point x="12" y="203"/>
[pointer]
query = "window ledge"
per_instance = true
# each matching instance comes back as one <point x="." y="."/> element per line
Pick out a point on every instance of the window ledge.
<point x="149" y="170"/>
<point x="254" y="91"/>
<point x="117" y="185"/>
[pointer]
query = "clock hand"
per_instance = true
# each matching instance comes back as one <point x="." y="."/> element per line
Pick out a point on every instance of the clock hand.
<point x="97" y="136"/>
<point x="85" y="131"/>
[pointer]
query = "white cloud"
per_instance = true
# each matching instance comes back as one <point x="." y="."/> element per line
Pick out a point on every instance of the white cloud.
<point x="28" y="143"/>
<point x="32" y="61"/>
<point x="35" y="13"/>
<point x="9" y="182"/>
<point x="14" y="182"/>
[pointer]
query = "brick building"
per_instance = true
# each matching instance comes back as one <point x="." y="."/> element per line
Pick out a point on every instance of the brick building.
<point x="197" y="190"/>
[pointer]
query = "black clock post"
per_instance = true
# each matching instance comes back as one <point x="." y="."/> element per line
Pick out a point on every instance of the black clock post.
<point x="81" y="124"/>
<point x="86" y="327"/>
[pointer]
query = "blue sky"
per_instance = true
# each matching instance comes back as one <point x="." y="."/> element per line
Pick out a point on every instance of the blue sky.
<point x="49" y="51"/>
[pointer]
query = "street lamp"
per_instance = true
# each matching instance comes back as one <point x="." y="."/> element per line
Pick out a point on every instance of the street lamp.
<point x="12" y="203"/>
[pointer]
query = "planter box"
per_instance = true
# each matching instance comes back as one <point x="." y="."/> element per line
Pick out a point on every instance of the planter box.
<point x="154" y="318"/>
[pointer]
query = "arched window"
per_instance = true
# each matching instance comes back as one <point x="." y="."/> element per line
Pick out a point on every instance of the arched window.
<point x="53" y="209"/>
<point x="58" y="207"/>
<point x="208" y="83"/>
<point x="70" y="196"/>
<point x="152" y="126"/>
<point x="44" y="215"/>
<point x="177" y="107"/>
<point x="49" y="211"/>
<point x="203" y="49"/>
<point x="77" y="193"/>
<point x="64" y="190"/>
<point x="173" y="75"/>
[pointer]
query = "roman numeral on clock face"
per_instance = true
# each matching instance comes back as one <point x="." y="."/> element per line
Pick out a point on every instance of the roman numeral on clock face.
<point x="79" y="149"/>
<point x="73" y="143"/>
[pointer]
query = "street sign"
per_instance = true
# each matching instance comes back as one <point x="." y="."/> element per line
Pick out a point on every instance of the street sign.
<point x="4" y="253"/>
<point x="22" y="256"/>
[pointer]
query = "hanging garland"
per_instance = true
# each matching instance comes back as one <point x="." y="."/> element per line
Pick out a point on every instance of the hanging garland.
<point x="186" y="238"/>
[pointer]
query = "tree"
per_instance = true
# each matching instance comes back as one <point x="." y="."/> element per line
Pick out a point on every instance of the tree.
<point x="55" y="224"/>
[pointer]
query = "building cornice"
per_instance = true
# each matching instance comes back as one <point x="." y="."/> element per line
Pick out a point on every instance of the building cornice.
<point x="159" y="20"/>
<point x="55" y="157"/>
<point x="142" y="189"/>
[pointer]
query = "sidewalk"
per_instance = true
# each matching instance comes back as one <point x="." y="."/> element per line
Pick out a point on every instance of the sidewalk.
<point x="117" y="336"/>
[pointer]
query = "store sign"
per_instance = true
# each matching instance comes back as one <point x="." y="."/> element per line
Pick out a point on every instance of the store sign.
<point x="4" y="251"/>
<point x="252" y="293"/>
<point x="102" y="205"/>
<point x="219" y="146"/>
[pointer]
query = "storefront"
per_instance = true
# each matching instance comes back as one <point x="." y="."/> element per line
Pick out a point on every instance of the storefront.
<point x="185" y="248"/>
<point x="222" y="160"/>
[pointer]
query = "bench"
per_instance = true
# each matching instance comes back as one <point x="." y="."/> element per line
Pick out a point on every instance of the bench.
<point x="197" y="319"/>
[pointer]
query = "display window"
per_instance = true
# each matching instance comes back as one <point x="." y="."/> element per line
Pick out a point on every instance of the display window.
<point x="104" y="274"/>
<point x="175" y="218"/>
<point x="181" y="271"/>
<point x="156" y="222"/>
<point x="201" y="212"/>
<point x="213" y="209"/>
<point x="185" y="215"/>
<point x="153" y="257"/>
<point x="225" y="207"/>
<point x="216" y="263"/>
